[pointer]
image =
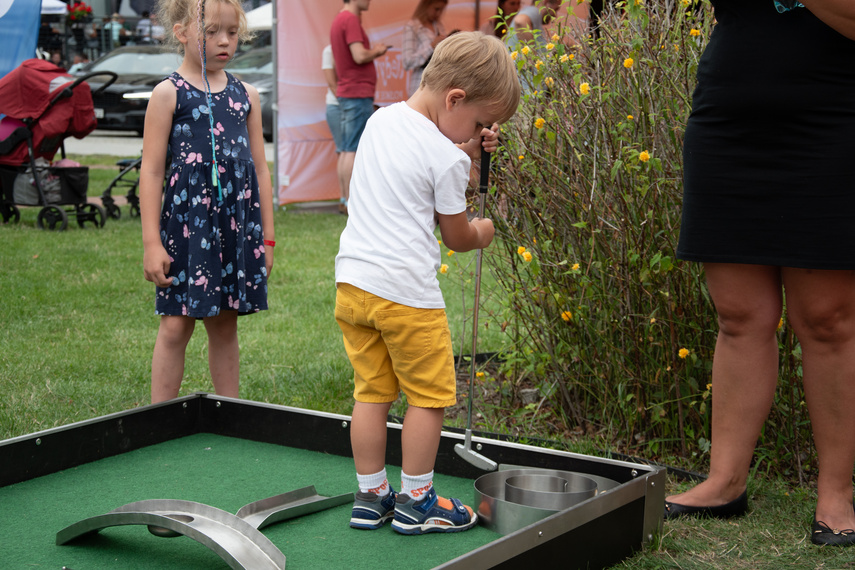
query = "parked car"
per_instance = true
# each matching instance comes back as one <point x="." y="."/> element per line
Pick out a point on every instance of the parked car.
<point x="122" y="105"/>
<point x="255" y="67"/>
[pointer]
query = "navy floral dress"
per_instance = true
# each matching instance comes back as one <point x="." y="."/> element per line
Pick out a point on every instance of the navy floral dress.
<point x="212" y="234"/>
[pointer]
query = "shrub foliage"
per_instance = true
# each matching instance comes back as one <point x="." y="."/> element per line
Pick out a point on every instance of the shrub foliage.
<point x="615" y="333"/>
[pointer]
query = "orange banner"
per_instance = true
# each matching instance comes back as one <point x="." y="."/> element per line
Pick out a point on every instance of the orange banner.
<point x="306" y="151"/>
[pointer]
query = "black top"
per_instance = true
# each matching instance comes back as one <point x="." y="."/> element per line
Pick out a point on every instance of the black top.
<point x="769" y="149"/>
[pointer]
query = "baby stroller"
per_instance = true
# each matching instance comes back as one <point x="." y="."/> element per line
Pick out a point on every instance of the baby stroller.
<point x="40" y="106"/>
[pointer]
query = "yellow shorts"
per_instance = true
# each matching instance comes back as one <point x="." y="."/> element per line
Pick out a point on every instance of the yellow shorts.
<point x="395" y="348"/>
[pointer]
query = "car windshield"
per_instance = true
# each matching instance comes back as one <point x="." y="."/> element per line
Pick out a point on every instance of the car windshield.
<point x="253" y="62"/>
<point x="131" y="63"/>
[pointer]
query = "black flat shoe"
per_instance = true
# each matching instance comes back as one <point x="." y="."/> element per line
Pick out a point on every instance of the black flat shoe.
<point x="735" y="508"/>
<point x="823" y="535"/>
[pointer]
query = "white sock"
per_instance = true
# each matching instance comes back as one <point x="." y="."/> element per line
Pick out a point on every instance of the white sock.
<point x="375" y="483"/>
<point x="416" y="486"/>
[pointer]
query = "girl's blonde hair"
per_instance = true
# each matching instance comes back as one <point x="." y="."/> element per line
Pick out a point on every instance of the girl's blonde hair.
<point x="481" y="66"/>
<point x="185" y="12"/>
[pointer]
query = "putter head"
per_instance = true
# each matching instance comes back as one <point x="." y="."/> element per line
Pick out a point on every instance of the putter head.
<point x="474" y="458"/>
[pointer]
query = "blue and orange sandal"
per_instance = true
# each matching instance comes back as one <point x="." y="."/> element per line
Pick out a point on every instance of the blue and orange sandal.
<point x="431" y="514"/>
<point x="370" y="511"/>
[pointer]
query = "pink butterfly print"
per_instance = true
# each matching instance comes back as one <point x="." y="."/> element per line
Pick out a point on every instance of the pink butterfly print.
<point x="221" y="169"/>
<point x="173" y="179"/>
<point x="218" y="129"/>
<point x="234" y="224"/>
<point x="233" y="303"/>
<point x="186" y="231"/>
<point x="202" y="281"/>
<point x="179" y="83"/>
<point x="247" y="194"/>
<point x="258" y="251"/>
<point x="233" y="105"/>
<point x="193" y="157"/>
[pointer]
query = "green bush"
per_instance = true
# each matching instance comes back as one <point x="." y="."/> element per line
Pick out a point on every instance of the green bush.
<point x="615" y="333"/>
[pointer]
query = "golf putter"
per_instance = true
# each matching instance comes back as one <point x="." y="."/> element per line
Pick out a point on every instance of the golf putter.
<point x="465" y="450"/>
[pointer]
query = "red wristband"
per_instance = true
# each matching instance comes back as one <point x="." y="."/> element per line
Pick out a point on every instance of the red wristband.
<point x="270" y="242"/>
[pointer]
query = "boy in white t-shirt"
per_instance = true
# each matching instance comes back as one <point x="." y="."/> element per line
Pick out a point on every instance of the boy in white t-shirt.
<point x="410" y="173"/>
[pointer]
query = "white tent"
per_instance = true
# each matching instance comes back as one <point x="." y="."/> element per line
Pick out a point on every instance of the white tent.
<point x="54" y="7"/>
<point x="261" y="18"/>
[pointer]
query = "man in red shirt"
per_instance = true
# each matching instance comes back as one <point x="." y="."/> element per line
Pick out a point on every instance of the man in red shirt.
<point x="354" y="63"/>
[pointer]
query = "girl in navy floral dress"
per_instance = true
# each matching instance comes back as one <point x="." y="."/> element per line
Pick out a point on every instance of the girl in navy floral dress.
<point x="208" y="242"/>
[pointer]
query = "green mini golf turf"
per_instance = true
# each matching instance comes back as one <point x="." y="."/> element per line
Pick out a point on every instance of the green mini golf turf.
<point x="221" y="472"/>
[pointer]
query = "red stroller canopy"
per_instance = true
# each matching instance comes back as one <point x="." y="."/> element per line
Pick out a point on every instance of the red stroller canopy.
<point x="29" y="93"/>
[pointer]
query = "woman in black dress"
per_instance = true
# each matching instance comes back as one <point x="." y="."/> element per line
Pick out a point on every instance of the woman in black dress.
<point x="769" y="209"/>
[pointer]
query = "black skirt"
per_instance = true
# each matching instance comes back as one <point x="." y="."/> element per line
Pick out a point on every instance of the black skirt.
<point x="769" y="148"/>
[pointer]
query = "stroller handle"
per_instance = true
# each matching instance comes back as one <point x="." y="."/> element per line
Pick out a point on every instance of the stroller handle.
<point x="112" y="79"/>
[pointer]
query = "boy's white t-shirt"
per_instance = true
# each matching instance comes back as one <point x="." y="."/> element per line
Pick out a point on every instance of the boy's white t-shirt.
<point x="405" y="171"/>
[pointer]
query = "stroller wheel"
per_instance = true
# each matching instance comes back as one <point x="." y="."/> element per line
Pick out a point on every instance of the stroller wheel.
<point x="10" y="213"/>
<point x="91" y="213"/>
<point x="52" y="218"/>
<point x="135" y="210"/>
<point x="113" y="211"/>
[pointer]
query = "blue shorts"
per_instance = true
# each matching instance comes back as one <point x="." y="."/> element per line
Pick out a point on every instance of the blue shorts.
<point x="354" y="115"/>
<point x="334" y="122"/>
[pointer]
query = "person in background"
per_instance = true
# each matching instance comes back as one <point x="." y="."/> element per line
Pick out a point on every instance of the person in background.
<point x="498" y="25"/>
<point x="410" y="175"/>
<point x="79" y="61"/>
<point x="357" y="77"/>
<point x="769" y="228"/>
<point x="57" y="59"/>
<point x="537" y="23"/>
<point x="143" y="29"/>
<point x="421" y="36"/>
<point x="334" y="120"/>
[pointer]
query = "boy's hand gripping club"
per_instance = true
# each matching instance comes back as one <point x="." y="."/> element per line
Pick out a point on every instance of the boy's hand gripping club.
<point x="465" y="450"/>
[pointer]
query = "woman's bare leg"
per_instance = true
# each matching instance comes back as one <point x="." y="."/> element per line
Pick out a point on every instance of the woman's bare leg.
<point x="748" y="301"/>
<point x="821" y="310"/>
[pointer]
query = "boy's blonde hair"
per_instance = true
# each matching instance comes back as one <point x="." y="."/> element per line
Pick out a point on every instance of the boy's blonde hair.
<point x="185" y="12"/>
<point x="478" y="64"/>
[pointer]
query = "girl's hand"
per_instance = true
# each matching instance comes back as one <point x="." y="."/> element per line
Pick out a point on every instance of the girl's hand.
<point x="156" y="263"/>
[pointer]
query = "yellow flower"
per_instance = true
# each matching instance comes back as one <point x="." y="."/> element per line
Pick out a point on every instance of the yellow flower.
<point x="683" y="352"/>
<point x="652" y="320"/>
<point x="514" y="54"/>
<point x="538" y="124"/>
<point x="534" y="241"/>
<point x="526" y="256"/>
<point x="443" y="268"/>
<point x="439" y="241"/>
<point x="550" y="46"/>
<point x="627" y="63"/>
<point x="575" y="267"/>
<point x="450" y="252"/>
<point x="521" y="249"/>
<point x="538" y="64"/>
<point x="525" y="50"/>
<point x="686" y="2"/>
<point x="566" y="315"/>
<point x="555" y="37"/>
<point x="709" y="386"/>
<point x="479" y="374"/>
<point x="549" y="81"/>
<point x="629" y="117"/>
<point x="644" y="156"/>
<point x="695" y="33"/>
<point x="584" y="88"/>
<point x="566" y="57"/>
<point x="639" y="2"/>
<point x="521" y="157"/>
<point x="780" y="323"/>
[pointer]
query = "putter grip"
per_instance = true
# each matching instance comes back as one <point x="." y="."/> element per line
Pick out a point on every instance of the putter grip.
<point x="485" y="171"/>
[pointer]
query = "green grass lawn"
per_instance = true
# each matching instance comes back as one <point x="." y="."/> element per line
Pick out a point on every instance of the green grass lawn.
<point x="77" y="328"/>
